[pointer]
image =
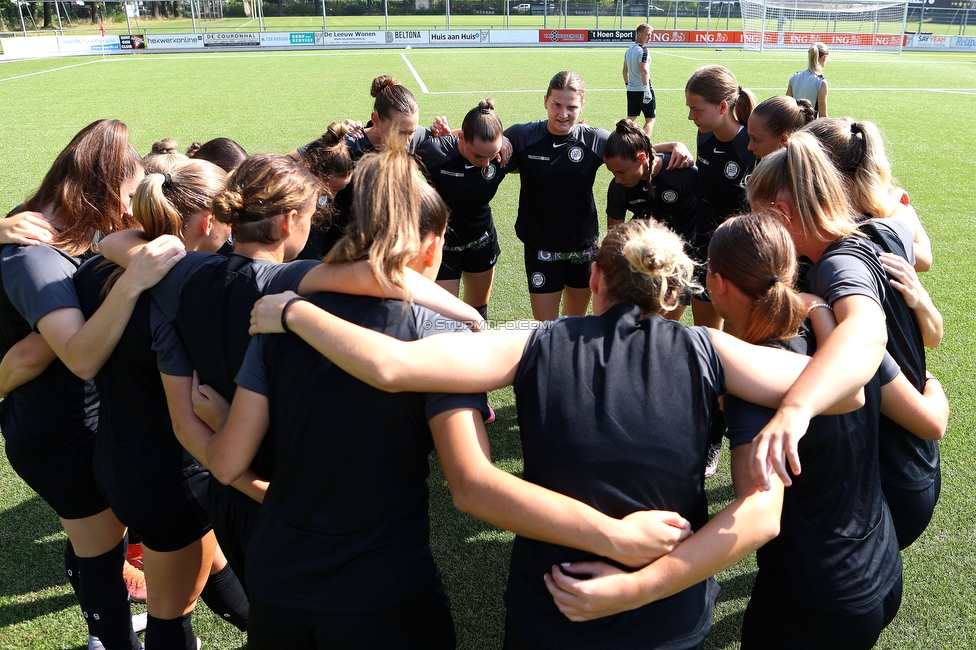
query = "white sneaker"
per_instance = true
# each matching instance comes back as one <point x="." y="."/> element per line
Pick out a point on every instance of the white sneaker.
<point x="139" y="622"/>
<point x="94" y="643"/>
<point x="711" y="459"/>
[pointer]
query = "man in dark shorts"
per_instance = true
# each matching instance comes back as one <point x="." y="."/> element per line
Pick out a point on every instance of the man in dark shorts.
<point x="637" y="76"/>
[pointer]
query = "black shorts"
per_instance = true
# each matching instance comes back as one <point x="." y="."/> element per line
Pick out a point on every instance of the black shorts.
<point x="911" y="510"/>
<point x="58" y="466"/>
<point x="170" y="518"/>
<point x="549" y="272"/>
<point x="773" y="621"/>
<point x="234" y="517"/>
<point x="636" y="105"/>
<point x="422" y="621"/>
<point x="475" y="257"/>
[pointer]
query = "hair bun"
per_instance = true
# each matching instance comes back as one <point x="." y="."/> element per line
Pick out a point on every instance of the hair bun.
<point x="381" y="83"/>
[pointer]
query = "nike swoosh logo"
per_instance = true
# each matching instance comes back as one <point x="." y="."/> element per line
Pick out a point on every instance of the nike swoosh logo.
<point x="718" y="151"/>
<point x="469" y="166"/>
<point x="559" y="144"/>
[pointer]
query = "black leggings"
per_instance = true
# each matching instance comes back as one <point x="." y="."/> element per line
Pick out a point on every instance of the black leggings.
<point x="515" y="640"/>
<point x="773" y="621"/>
<point x="911" y="512"/>
<point x="421" y="622"/>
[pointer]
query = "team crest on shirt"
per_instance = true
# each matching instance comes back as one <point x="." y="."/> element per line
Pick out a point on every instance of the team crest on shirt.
<point x="731" y="169"/>
<point x="537" y="280"/>
<point x="488" y="172"/>
<point x="576" y="154"/>
<point x="669" y="196"/>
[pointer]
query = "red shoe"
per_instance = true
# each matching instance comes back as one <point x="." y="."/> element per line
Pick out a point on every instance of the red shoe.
<point x="491" y="415"/>
<point x="134" y="555"/>
<point x="135" y="582"/>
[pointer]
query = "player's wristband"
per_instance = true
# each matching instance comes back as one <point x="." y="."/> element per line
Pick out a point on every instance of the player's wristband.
<point x="284" y="313"/>
<point x="816" y="305"/>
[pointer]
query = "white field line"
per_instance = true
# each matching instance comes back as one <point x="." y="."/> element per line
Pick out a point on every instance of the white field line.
<point x="954" y="91"/>
<point x="34" y="74"/>
<point x="420" y="82"/>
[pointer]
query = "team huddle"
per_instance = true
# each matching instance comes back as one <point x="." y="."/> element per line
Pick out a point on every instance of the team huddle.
<point x="253" y="357"/>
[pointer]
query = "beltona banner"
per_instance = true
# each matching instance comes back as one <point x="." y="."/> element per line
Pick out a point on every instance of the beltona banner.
<point x="407" y="37"/>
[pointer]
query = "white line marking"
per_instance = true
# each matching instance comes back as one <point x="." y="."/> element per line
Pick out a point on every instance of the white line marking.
<point x="420" y="82"/>
<point x="32" y="74"/>
<point x="676" y="56"/>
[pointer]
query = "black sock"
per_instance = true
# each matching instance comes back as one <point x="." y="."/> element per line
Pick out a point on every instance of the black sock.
<point x="105" y="600"/>
<point x="483" y="310"/>
<point x="71" y="565"/>
<point x="225" y="597"/>
<point x="171" y="632"/>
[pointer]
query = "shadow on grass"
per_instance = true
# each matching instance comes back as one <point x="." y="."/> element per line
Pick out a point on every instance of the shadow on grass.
<point x="29" y="562"/>
<point x="15" y="613"/>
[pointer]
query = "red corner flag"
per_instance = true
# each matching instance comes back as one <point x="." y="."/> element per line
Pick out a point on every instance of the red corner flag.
<point x="101" y="28"/>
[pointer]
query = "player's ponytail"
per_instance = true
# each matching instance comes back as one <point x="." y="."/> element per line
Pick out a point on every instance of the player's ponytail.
<point x="262" y="189"/>
<point x="391" y="98"/>
<point x="755" y="253"/>
<point x="815" y="58"/>
<point x="716" y="84"/>
<point x="626" y="141"/>
<point x="806" y="171"/>
<point x="482" y="123"/>
<point x="782" y="115"/>
<point x="390" y="201"/>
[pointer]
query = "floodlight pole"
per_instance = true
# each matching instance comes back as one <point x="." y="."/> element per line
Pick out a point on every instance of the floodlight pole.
<point x="386" y="14"/>
<point x="20" y="10"/>
<point x="128" y="23"/>
<point x="325" y="26"/>
<point x="193" y="17"/>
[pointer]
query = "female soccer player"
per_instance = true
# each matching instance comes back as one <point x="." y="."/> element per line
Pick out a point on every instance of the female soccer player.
<point x="464" y="171"/>
<point x="643" y="185"/>
<point x="344" y="592"/>
<point x="801" y="183"/>
<point x="810" y="84"/>
<point x="911" y="467"/>
<point x="720" y="108"/>
<point x="557" y="159"/>
<point x="48" y="422"/>
<point x="152" y="483"/>
<point x="772" y="122"/>
<point x="832" y="577"/>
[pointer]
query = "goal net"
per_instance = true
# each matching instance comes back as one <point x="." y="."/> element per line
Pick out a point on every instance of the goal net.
<point x="798" y="24"/>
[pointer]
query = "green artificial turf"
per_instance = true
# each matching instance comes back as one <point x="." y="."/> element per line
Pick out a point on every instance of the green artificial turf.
<point x="273" y="102"/>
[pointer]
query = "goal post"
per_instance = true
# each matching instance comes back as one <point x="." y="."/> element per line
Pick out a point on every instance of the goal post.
<point x="798" y="24"/>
